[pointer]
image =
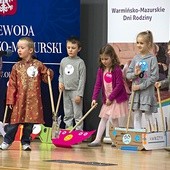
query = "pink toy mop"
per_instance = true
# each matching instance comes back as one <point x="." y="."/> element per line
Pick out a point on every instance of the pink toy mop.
<point x="67" y="138"/>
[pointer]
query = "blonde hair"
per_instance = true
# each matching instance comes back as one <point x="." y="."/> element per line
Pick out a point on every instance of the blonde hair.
<point x="148" y="37"/>
<point x="30" y="43"/>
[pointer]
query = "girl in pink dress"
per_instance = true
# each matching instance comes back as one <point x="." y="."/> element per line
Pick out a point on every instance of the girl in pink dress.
<point x="114" y="97"/>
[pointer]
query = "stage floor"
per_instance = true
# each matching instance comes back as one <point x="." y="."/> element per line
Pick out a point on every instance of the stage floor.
<point x="81" y="157"/>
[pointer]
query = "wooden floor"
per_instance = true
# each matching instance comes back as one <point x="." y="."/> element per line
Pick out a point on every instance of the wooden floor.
<point x="81" y="157"/>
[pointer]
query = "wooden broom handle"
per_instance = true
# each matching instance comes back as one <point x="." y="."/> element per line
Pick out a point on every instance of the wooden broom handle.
<point x="130" y="110"/>
<point x="161" y="110"/>
<point x="5" y="115"/>
<point x="58" y="102"/>
<point x="51" y="94"/>
<point x="84" y="116"/>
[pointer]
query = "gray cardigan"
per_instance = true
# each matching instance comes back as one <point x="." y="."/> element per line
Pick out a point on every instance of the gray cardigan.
<point x="144" y="98"/>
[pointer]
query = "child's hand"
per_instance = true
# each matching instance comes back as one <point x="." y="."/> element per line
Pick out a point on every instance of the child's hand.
<point x="135" y="87"/>
<point x="10" y="106"/>
<point x="93" y="103"/>
<point x="48" y="72"/>
<point x="61" y="86"/>
<point x="158" y="84"/>
<point x="164" y="67"/>
<point x="108" y="102"/>
<point x="77" y="99"/>
<point x="137" y="70"/>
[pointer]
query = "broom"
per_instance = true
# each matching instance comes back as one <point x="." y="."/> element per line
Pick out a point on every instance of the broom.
<point x="161" y="110"/>
<point x="54" y="124"/>
<point x="130" y="111"/>
<point x="56" y="120"/>
<point x="67" y="138"/>
<point x="78" y="123"/>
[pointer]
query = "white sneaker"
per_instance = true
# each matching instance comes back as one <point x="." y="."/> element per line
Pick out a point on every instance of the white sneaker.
<point x="26" y="147"/>
<point x="4" y="146"/>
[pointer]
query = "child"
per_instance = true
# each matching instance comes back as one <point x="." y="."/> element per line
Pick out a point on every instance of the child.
<point x="114" y="97"/>
<point x="143" y="71"/>
<point x="24" y="94"/>
<point x="160" y="54"/>
<point x="72" y="82"/>
<point x="166" y="82"/>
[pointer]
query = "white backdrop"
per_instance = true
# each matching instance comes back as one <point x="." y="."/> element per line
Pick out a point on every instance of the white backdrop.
<point x="126" y="18"/>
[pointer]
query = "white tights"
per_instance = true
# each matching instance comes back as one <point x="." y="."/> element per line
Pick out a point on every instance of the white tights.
<point x="147" y="123"/>
<point x="102" y="127"/>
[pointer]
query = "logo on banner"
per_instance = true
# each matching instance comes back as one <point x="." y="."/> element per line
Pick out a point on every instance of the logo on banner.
<point x="8" y="7"/>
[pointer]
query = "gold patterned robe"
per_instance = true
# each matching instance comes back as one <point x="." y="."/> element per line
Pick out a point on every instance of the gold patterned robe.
<point x="24" y="91"/>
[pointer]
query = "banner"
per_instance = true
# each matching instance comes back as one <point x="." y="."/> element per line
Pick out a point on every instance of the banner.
<point x="49" y="24"/>
<point x="127" y="18"/>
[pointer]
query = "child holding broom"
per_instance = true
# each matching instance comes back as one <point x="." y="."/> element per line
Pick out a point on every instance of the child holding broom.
<point x="115" y="100"/>
<point x="166" y="82"/>
<point x="143" y="71"/>
<point x="72" y="82"/>
<point x="24" y="94"/>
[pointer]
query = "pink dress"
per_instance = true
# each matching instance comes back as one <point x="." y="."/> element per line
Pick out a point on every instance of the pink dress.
<point x="115" y="110"/>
